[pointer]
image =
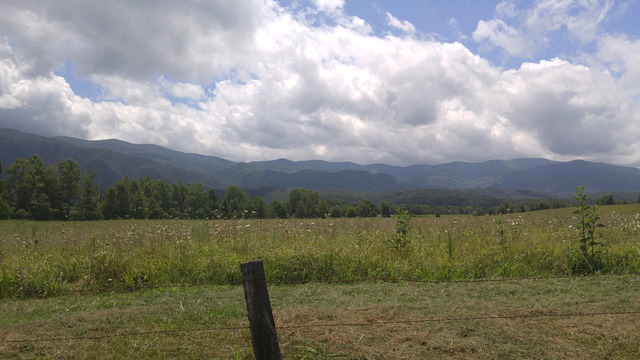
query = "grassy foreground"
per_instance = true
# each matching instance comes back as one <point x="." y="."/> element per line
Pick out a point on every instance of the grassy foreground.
<point x="306" y="305"/>
<point x="38" y="258"/>
<point x="41" y="262"/>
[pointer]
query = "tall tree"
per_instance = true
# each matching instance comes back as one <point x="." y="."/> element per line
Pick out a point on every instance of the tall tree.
<point x="179" y="199"/>
<point x="139" y="203"/>
<point x="89" y="203"/>
<point x="385" y="210"/>
<point x="305" y="203"/>
<point x="123" y="198"/>
<point x="33" y="189"/>
<point x="279" y="209"/>
<point x="196" y="202"/>
<point x="19" y="187"/>
<point x="158" y="192"/>
<point x="236" y="202"/>
<point x="5" y="208"/>
<point x="110" y="204"/>
<point x="213" y="203"/>
<point x="366" y="208"/>
<point x="258" y="208"/>
<point x="70" y="177"/>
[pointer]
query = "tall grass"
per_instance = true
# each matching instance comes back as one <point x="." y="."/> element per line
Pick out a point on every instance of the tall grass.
<point x="39" y="258"/>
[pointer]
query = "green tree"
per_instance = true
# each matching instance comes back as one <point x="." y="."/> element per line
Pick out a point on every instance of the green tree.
<point x="213" y="203"/>
<point x="539" y="205"/>
<point x="351" y="212"/>
<point x="197" y="202"/>
<point x="5" y="208"/>
<point x="20" y="188"/>
<point x="279" y="209"/>
<point x="117" y="202"/>
<point x="123" y="198"/>
<point x="386" y="210"/>
<point x="258" y="208"/>
<point x="236" y="203"/>
<point x="110" y="204"/>
<point x="70" y="178"/>
<point x="178" y="200"/>
<point x="159" y="194"/>
<point x="33" y="188"/>
<point x="607" y="200"/>
<point x="504" y="208"/>
<point x="335" y="211"/>
<point x="89" y="203"/>
<point x="305" y="203"/>
<point x="138" y="201"/>
<point x="366" y="208"/>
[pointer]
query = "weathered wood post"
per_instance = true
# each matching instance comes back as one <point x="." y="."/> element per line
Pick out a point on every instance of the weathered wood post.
<point x="263" y="327"/>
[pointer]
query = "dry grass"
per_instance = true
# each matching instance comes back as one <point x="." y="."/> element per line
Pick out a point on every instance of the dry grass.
<point x="606" y="336"/>
<point x="310" y="305"/>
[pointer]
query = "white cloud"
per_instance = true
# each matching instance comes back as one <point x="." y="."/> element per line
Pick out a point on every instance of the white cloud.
<point x="404" y="26"/>
<point x="580" y="18"/>
<point x="286" y="84"/>
<point x="622" y="56"/>
<point x="329" y="5"/>
<point x="525" y="32"/>
<point x="498" y="33"/>
<point x="182" y="90"/>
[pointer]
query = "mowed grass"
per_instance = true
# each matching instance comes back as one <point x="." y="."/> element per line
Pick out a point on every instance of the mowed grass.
<point x="42" y="264"/>
<point x="365" y="320"/>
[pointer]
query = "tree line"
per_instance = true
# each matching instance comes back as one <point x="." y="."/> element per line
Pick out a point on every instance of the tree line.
<point x="30" y="189"/>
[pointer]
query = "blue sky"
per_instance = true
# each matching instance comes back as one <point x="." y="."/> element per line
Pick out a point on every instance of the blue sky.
<point x="399" y="82"/>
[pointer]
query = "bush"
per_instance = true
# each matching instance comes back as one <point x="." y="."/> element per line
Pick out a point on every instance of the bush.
<point x="400" y="238"/>
<point x="589" y="235"/>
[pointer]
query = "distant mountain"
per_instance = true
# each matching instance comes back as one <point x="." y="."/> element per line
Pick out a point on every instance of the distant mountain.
<point x="560" y="178"/>
<point x="114" y="159"/>
<point x="110" y="165"/>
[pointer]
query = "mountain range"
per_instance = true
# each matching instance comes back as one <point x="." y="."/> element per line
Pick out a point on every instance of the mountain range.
<point x="113" y="159"/>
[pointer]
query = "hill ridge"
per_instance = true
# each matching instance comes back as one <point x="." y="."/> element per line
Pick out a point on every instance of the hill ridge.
<point x="115" y="158"/>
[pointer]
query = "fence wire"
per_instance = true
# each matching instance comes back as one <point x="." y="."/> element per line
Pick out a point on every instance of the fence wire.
<point x="175" y="332"/>
<point x="532" y="278"/>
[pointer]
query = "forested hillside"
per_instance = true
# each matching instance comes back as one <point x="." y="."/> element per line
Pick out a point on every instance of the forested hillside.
<point x="115" y="159"/>
<point x="31" y="189"/>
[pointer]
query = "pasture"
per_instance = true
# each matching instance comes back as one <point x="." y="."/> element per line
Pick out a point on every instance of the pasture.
<point x="73" y="280"/>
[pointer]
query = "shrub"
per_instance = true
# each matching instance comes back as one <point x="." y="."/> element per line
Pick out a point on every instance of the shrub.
<point x="589" y="235"/>
<point x="400" y="238"/>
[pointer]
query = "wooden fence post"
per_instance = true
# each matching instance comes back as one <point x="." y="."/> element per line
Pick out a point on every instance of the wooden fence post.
<point x="263" y="327"/>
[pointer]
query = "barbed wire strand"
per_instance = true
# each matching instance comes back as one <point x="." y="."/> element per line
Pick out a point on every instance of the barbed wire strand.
<point x="443" y="281"/>
<point x="101" y="337"/>
<point x="302" y="326"/>
<point x="488" y="317"/>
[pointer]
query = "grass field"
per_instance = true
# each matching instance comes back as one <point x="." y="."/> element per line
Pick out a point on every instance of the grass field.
<point x="39" y="259"/>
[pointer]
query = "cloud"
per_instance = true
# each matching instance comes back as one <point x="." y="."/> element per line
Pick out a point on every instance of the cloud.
<point x="404" y="26"/>
<point x="257" y="81"/>
<point x="182" y="90"/>
<point x="498" y="33"/>
<point x="525" y="32"/>
<point x="328" y="5"/>
<point x="135" y="40"/>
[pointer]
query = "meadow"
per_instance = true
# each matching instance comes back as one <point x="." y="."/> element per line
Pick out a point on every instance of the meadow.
<point x="43" y="264"/>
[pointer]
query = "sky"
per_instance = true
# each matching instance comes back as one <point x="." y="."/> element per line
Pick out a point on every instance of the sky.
<point x="399" y="82"/>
